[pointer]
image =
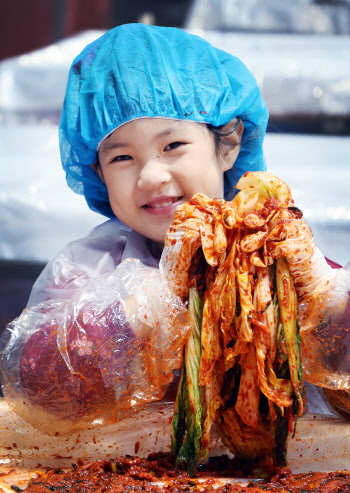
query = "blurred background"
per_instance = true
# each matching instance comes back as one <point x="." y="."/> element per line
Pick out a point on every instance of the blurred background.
<point x="298" y="50"/>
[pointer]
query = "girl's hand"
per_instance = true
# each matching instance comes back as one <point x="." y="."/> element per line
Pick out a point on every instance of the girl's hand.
<point x="323" y="307"/>
<point x="292" y="238"/>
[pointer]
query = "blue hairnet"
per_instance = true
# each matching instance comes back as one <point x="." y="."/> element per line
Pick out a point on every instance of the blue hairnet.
<point x="134" y="71"/>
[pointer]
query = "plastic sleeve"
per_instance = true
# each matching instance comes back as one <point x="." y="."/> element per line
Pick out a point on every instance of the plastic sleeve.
<point x="98" y="357"/>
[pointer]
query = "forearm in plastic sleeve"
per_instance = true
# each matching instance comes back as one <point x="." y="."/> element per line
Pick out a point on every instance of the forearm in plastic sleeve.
<point x="312" y="275"/>
<point x="100" y="356"/>
<point x="325" y="332"/>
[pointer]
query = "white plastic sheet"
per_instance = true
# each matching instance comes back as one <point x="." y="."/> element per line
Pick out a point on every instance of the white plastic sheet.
<point x="290" y="16"/>
<point x="320" y="444"/>
<point x="39" y="214"/>
<point x="298" y="74"/>
<point x="32" y="85"/>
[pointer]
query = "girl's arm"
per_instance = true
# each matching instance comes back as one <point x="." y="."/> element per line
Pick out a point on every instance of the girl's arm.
<point x="101" y="354"/>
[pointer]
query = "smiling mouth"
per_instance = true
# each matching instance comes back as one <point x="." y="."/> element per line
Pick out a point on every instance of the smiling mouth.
<point x="161" y="203"/>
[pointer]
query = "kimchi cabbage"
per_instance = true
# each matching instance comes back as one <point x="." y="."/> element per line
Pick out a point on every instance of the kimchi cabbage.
<point x="242" y="365"/>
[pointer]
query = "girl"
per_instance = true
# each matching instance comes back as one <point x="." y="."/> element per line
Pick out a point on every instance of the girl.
<point x="152" y="115"/>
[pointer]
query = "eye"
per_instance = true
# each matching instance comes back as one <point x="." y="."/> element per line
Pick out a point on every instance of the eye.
<point x="173" y="145"/>
<point x="123" y="157"/>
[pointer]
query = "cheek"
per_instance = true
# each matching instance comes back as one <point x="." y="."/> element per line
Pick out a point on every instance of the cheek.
<point x="119" y="189"/>
<point x="207" y="176"/>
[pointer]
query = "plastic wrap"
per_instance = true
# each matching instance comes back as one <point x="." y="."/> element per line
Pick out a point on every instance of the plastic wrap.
<point x="326" y="337"/>
<point x="98" y="357"/>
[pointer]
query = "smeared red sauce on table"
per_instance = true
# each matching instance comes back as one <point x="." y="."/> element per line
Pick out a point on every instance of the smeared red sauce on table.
<point x="158" y="474"/>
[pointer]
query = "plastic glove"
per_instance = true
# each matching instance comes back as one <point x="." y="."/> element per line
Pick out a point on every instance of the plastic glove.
<point x="292" y="238"/>
<point x="98" y="357"/>
<point x="322" y="291"/>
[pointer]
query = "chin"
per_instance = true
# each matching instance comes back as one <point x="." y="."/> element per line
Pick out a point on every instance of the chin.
<point x="158" y="237"/>
<point x="158" y="233"/>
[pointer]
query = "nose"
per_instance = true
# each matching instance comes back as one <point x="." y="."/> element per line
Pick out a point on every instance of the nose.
<point x="153" y="174"/>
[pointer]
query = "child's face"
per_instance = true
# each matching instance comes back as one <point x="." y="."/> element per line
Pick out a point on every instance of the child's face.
<point x="151" y="165"/>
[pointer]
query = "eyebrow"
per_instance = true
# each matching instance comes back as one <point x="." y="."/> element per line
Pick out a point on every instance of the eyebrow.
<point x="166" y="132"/>
<point x="109" y="146"/>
